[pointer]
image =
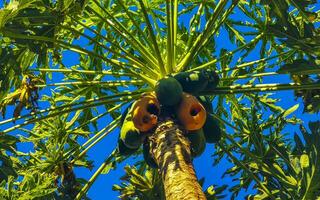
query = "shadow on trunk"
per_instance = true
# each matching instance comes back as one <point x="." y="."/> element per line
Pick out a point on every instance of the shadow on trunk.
<point x="171" y="151"/>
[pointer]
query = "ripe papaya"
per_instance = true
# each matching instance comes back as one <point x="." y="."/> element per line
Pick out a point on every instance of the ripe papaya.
<point x="147" y="156"/>
<point x="211" y="129"/>
<point x="191" y="114"/>
<point x="197" y="142"/>
<point x="192" y="82"/>
<point x="124" y="150"/>
<point x="206" y="102"/>
<point x="168" y="91"/>
<point x="145" y="112"/>
<point x="212" y="77"/>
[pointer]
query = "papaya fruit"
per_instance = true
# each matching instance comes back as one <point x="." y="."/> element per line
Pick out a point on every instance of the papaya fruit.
<point x="191" y="114"/>
<point x="168" y="91"/>
<point x="147" y="157"/>
<point x="192" y="82"/>
<point x="212" y="77"/>
<point x="206" y="102"/>
<point x="197" y="142"/>
<point x="211" y="130"/>
<point x="145" y="112"/>
<point x="124" y="114"/>
<point x="129" y="134"/>
<point x="124" y="150"/>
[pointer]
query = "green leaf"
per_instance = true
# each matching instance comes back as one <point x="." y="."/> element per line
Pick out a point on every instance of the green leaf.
<point x="304" y="161"/>
<point x="290" y="110"/>
<point x="300" y="67"/>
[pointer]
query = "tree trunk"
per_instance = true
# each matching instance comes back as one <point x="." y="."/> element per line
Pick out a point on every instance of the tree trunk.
<point x="171" y="151"/>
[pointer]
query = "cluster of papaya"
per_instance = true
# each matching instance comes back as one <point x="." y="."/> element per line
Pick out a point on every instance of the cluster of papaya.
<point x="198" y="81"/>
<point x="174" y="97"/>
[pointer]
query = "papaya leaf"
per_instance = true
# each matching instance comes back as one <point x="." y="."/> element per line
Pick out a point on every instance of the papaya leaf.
<point x="290" y="110"/>
<point x="300" y="67"/>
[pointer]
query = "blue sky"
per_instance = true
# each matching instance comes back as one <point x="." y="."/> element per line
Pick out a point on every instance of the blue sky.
<point x="102" y="188"/>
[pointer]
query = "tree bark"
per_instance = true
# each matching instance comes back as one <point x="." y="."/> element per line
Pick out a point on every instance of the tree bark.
<point x="171" y="151"/>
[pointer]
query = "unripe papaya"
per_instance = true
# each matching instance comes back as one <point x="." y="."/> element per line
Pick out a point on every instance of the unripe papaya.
<point x="147" y="156"/>
<point x="212" y="77"/>
<point x="211" y="129"/>
<point x="124" y="114"/>
<point x="197" y="142"/>
<point x="192" y="82"/>
<point x="130" y="135"/>
<point x="168" y="91"/>
<point x="124" y="150"/>
<point x="206" y="102"/>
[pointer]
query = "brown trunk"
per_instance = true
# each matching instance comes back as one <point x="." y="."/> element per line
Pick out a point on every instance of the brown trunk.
<point x="171" y="151"/>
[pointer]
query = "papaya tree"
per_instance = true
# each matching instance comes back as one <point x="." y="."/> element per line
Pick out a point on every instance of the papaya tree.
<point x="171" y="77"/>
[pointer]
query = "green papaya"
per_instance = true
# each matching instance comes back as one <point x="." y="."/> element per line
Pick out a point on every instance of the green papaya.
<point x="124" y="114"/>
<point x="124" y="150"/>
<point x="206" y="102"/>
<point x="212" y="77"/>
<point x="192" y="82"/>
<point x="197" y="142"/>
<point x="129" y="134"/>
<point x="211" y="129"/>
<point x="168" y="91"/>
<point x="147" y="157"/>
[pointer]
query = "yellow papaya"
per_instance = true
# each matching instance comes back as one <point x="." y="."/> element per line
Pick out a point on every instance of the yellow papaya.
<point x="145" y="112"/>
<point x="191" y="114"/>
